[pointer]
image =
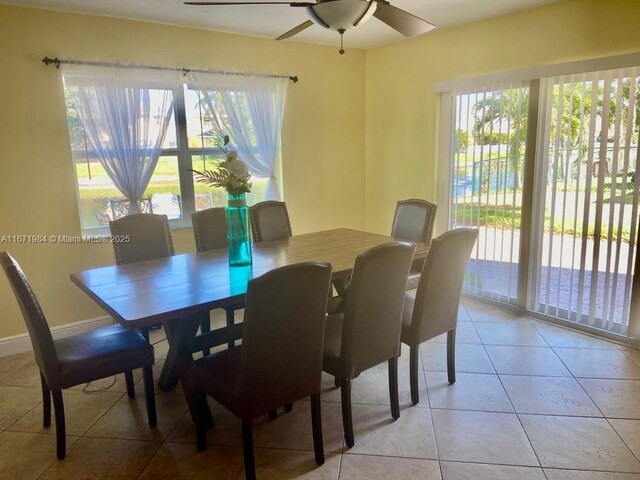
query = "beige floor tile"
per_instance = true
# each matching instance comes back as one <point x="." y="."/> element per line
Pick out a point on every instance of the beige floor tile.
<point x="372" y="387"/>
<point x="276" y="464"/>
<point x="17" y="401"/>
<point x="20" y="371"/>
<point x="103" y="458"/>
<point x="597" y="363"/>
<point x="483" y="313"/>
<point x="82" y="410"/>
<point x="403" y="360"/>
<point x="510" y="333"/>
<point x="26" y="456"/>
<point x="475" y="471"/>
<point x="12" y="363"/>
<point x="616" y="398"/>
<point x="463" y="315"/>
<point x="377" y="433"/>
<point x="357" y="467"/>
<point x="128" y="418"/>
<point x="563" y="337"/>
<point x="469" y="358"/>
<point x="465" y="333"/>
<point x="526" y="361"/>
<point x="629" y="430"/>
<point x="482" y="437"/>
<point x="472" y="391"/>
<point x="111" y="384"/>
<point x="549" y="396"/>
<point x="183" y="461"/>
<point x="583" y="475"/>
<point x="579" y="443"/>
<point x="292" y="431"/>
<point x="227" y="430"/>
<point x="633" y="354"/>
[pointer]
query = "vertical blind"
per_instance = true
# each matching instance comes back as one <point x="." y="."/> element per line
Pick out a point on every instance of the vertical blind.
<point x="587" y="198"/>
<point x="488" y="149"/>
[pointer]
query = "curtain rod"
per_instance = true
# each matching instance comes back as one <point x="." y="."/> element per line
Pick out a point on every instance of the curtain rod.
<point x="58" y="61"/>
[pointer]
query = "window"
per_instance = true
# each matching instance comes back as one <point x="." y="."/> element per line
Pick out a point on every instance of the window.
<point x="189" y="143"/>
<point x="545" y="168"/>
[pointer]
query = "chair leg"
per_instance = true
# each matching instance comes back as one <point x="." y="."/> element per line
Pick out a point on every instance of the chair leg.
<point x="347" y="420"/>
<point x="61" y="436"/>
<point x="316" y="424"/>
<point x="149" y="395"/>
<point x="46" y="403"/>
<point x="414" y="358"/>
<point x="145" y="333"/>
<point x="393" y="388"/>
<point x="288" y="407"/>
<point x="201" y="429"/>
<point x="128" y="378"/>
<point x="230" y="322"/>
<point x="336" y="382"/>
<point x="451" y="356"/>
<point x="205" y="327"/>
<point x="247" y="447"/>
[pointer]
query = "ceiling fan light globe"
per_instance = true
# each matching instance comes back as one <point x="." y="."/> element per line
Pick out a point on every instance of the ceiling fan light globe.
<point x="342" y="14"/>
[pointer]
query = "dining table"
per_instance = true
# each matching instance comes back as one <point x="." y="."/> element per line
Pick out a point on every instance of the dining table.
<point x="177" y="291"/>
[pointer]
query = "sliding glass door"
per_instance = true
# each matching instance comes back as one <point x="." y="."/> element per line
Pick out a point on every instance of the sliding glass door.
<point x="587" y="199"/>
<point x="489" y="130"/>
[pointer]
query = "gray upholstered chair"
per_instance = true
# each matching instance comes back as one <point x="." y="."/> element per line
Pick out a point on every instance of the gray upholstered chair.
<point x="368" y="332"/>
<point x="413" y="221"/>
<point x="270" y="221"/>
<point x="210" y="233"/>
<point x="149" y="238"/>
<point x="83" y="358"/>
<point x="280" y="359"/>
<point x="434" y="309"/>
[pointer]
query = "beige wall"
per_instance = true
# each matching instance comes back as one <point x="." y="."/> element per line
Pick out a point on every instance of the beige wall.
<point x="402" y="106"/>
<point x="323" y="136"/>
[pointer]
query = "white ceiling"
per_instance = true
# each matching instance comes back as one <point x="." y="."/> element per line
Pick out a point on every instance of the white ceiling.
<point x="271" y="21"/>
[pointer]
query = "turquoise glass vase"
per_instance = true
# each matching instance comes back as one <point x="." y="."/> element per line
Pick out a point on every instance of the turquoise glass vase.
<point x="238" y="239"/>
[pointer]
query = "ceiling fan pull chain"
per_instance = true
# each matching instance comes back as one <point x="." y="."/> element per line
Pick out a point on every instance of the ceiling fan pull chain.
<point x="341" y="32"/>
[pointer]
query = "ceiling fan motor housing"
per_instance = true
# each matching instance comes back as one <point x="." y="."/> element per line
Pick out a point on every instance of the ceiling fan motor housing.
<point x="342" y="14"/>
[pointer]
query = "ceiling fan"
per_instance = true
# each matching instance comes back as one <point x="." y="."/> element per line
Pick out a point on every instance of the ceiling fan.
<point x="340" y="15"/>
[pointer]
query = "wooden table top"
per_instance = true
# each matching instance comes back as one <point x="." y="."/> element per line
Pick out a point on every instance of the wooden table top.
<point x="144" y="293"/>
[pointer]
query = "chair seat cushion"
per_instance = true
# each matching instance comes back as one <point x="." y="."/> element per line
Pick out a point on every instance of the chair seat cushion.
<point x="219" y="376"/>
<point x="333" y="344"/>
<point x="101" y="353"/>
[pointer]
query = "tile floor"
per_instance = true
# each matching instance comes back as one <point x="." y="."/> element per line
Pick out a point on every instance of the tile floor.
<point x="532" y="401"/>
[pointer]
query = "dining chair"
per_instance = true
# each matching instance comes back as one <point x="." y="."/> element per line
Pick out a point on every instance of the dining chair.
<point x="413" y="221"/>
<point x="82" y="358"/>
<point x="270" y="221"/>
<point x="434" y="308"/>
<point x="280" y="359"/>
<point x="368" y="332"/>
<point x="210" y="232"/>
<point x="148" y="238"/>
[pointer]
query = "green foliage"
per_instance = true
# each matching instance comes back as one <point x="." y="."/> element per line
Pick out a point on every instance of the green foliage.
<point x="492" y="138"/>
<point x="462" y="141"/>
<point x="222" y="178"/>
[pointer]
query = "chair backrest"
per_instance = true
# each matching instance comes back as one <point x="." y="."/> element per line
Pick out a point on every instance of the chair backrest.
<point x="149" y="238"/>
<point x="270" y="221"/>
<point x="373" y="309"/>
<point x="39" y="333"/>
<point x="283" y="333"/>
<point x="210" y="229"/>
<point x="414" y="220"/>
<point x="436" y="306"/>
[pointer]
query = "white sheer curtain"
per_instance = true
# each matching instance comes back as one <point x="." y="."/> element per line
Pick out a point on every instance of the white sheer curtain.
<point x="125" y="113"/>
<point x="250" y="110"/>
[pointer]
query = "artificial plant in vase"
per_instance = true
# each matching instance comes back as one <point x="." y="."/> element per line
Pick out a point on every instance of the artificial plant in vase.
<point x="233" y="176"/>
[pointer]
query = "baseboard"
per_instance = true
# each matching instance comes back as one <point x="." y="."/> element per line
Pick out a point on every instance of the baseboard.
<point x="21" y="343"/>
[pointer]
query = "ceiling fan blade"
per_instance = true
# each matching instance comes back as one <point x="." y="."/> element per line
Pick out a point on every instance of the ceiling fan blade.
<point x="404" y="22"/>
<point x="296" y="30"/>
<point x="291" y="4"/>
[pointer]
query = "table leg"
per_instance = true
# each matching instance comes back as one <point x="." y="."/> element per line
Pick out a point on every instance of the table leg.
<point x="169" y="376"/>
<point x="183" y="333"/>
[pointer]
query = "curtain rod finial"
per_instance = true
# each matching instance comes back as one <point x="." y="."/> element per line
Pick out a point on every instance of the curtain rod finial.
<point x="49" y="61"/>
<point x="294" y="79"/>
